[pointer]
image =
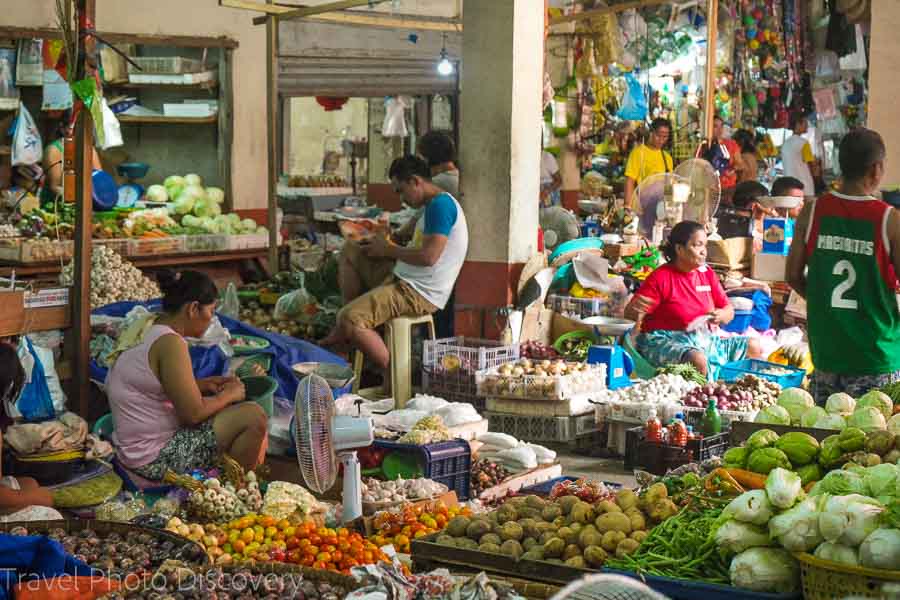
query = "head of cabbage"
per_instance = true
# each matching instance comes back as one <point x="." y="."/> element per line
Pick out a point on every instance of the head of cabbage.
<point x="840" y="483"/>
<point x="773" y="415"/>
<point x="797" y="529"/>
<point x="766" y="570"/>
<point x="849" y="519"/>
<point x="811" y="415"/>
<point x="796" y="401"/>
<point x="193" y="179"/>
<point x="174" y="185"/>
<point x="215" y="194"/>
<point x="157" y="193"/>
<point x="867" y="418"/>
<point x="840" y="403"/>
<point x="831" y="421"/>
<point x="838" y="553"/>
<point x="878" y="400"/>
<point x="881" y="550"/>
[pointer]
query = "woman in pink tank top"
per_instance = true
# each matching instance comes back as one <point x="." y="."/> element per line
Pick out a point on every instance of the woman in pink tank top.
<point x="164" y="418"/>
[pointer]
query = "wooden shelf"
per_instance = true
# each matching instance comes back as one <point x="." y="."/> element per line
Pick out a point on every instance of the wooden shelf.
<point x="204" y="85"/>
<point x="15" y="319"/>
<point x="161" y="120"/>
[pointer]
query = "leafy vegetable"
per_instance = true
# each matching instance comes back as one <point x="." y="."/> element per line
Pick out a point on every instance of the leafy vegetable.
<point x="837" y="553"/>
<point x="849" y="519"/>
<point x="867" y="418"/>
<point x="766" y="570"/>
<point x="840" y="483"/>
<point x="735" y="536"/>
<point x="893" y="424"/>
<point x="881" y="550"/>
<point x="841" y="404"/>
<point x="193" y="179"/>
<point x="811" y="416"/>
<point x="796" y="401"/>
<point x="878" y="400"/>
<point x="811" y="472"/>
<point x="783" y="487"/>
<point x="797" y="529"/>
<point x="881" y="480"/>
<point x="831" y="421"/>
<point x="216" y="195"/>
<point x="157" y="193"/>
<point x="773" y="415"/>
<point x="174" y="185"/>
<point x="751" y="507"/>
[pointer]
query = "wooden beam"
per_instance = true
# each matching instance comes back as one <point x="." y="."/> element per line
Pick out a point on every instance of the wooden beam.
<point x="353" y="17"/>
<point x="272" y="26"/>
<point x="596" y="12"/>
<point x="143" y="39"/>
<point x="712" y="39"/>
<point x="299" y="13"/>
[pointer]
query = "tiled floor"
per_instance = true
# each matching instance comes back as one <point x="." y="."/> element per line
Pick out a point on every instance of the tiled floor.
<point x="603" y="469"/>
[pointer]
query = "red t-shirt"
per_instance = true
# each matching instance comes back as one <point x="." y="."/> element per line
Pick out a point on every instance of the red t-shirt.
<point x="678" y="297"/>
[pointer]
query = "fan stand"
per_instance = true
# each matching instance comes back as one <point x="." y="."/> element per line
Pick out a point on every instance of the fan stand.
<point x="351" y="496"/>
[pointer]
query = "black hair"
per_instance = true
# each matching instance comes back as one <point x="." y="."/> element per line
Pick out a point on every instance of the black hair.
<point x="437" y="148"/>
<point x="860" y="149"/>
<point x="783" y="185"/>
<point x="680" y="235"/>
<point x="12" y="375"/>
<point x="185" y="287"/>
<point x="746" y="140"/>
<point x="795" y="119"/>
<point x="660" y="122"/>
<point x="747" y="192"/>
<point x="407" y="167"/>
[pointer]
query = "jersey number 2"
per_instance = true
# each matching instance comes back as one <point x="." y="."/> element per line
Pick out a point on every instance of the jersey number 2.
<point x="837" y="296"/>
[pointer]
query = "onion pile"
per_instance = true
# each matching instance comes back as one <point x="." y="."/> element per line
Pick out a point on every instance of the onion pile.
<point x="537" y="351"/>
<point x="725" y="398"/>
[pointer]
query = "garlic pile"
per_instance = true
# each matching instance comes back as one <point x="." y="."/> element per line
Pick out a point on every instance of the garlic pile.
<point x="401" y="490"/>
<point x="217" y="502"/>
<point x="113" y="279"/>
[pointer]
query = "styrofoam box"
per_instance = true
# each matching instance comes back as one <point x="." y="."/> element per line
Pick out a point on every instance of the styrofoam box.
<point x="542" y="429"/>
<point x="638" y="412"/>
<point x="187" y="110"/>
<point x="578" y="405"/>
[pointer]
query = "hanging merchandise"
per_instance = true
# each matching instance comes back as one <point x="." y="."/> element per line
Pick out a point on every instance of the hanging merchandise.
<point x="841" y="36"/>
<point x="395" y="118"/>
<point x="634" y="103"/>
<point x="9" y="93"/>
<point x="57" y="95"/>
<point x="27" y="148"/>
<point x="30" y="63"/>
<point x="605" y="39"/>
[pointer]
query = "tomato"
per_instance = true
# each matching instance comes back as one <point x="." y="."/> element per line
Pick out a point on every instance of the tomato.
<point x="311" y="550"/>
<point x="337" y="555"/>
<point x="266" y="521"/>
<point x="318" y="565"/>
<point x="344" y="546"/>
<point x="324" y="557"/>
<point x="329" y="548"/>
<point x="277" y="554"/>
<point x="308" y="561"/>
<point x="343" y="532"/>
<point x="330" y="540"/>
<point x="303" y="543"/>
<point x="239" y="546"/>
<point x="315" y="539"/>
<point x="368" y="557"/>
<point x="283" y="524"/>
<point x="289" y="531"/>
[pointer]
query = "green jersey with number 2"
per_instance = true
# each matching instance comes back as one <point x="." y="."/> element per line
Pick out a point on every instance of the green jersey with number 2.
<point x="851" y="303"/>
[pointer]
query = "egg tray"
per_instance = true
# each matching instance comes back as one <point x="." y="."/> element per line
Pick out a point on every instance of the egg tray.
<point x="491" y="384"/>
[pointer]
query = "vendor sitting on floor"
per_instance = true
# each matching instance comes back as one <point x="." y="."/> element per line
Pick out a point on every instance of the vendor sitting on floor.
<point x="21" y="496"/>
<point x="385" y="281"/>
<point x="164" y="419"/>
<point x="675" y="298"/>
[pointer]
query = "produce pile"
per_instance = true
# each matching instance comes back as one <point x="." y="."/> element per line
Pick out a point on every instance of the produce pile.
<point x="113" y="279"/>
<point x="310" y="315"/>
<point x="529" y="378"/>
<point x="566" y="530"/>
<point x="517" y="456"/>
<point x="398" y="527"/>
<point x="666" y="388"/>
<point x="537" y="351"/>
<point x="872" y="411"/>
<point x="400" y="490"/>
<point x="486" y="474"/>
<point x="199" y="209"/>
<point x="748" y="394"/>
<point x="218" y="501"/>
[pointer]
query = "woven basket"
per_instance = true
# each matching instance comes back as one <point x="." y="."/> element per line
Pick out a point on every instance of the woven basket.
<point x="824" y="580"/>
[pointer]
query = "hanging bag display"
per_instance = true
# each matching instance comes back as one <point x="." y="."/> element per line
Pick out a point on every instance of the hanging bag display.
<point x="27" y="148"/>
<point x="634" y="103"/>
<point x="35" y="403"/>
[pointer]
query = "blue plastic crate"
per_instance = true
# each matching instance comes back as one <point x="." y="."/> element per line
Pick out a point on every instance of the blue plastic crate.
<point x="684" y="589"/>
<point x="449" y="462"/>
<point x="735" y="370"/>
<point x="740" y="323"/>
<point x="544" y="489"/>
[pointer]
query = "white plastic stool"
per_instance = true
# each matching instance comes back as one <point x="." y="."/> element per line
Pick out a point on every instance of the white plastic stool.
<point x="398" y="338"/>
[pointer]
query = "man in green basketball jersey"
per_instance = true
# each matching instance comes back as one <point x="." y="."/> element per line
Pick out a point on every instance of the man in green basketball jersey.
<point x="844" y="260"/>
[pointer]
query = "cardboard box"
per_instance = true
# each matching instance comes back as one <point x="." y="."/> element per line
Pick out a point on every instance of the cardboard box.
<point x="778" y="232"/>
<point x="770" y="267"/>
<point x="536" y="325"/>
<point x="733" y="253"/>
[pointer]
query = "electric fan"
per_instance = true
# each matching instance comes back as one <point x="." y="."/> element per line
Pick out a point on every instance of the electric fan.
<point x="706" y="190"/>
<point x="322" y="437"/>
<point x="661" y="198"/>
<point x="607" y="587"/>
<point x="559" y="226"/>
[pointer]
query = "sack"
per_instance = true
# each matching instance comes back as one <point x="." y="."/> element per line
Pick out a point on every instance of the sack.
<point x="634" y="103"/>
<point x="27" y="147"/>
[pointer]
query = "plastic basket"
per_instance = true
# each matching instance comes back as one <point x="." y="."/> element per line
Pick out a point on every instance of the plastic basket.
<point x="735" y="370"/>
<point x="687" y="589"/>
<point x="533" y="387"/>
<point x="543" y="429"/>
<point x="248" y="241"/>
<point x="448" y="462"/>
<point x="443" y="376"/>
<point x="694" y="416"/>
<point x="205" y="243"/>
<point x="173" y="244"/>
<point x="246" y="368"/>
<point x="262" y="391"/>
<point x="659" y="458"/>
<point x="823" y="579"/>
<point x="172" y="65"/>
<point x="740" y="323"/>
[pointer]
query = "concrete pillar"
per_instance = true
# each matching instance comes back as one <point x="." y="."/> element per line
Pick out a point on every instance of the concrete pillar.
<point x="500" y="148"/>
<point x="884" y="85"/>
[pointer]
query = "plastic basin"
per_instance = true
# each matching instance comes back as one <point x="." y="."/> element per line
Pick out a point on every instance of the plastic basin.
<point x="262" y="391"/>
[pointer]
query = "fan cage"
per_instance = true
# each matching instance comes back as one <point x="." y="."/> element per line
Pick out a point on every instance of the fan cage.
<point x="314" y="406"/>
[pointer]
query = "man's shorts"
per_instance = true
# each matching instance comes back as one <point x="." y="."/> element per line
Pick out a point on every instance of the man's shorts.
<point x="394" y="299"/>
<point x="372" y="272"/>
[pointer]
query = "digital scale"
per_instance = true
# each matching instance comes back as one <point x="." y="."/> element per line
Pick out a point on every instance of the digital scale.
<point x="131" y="192"/>
<point x="619" y="364"/>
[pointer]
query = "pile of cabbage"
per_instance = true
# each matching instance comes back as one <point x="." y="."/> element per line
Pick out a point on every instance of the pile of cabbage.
<point x="872" y="411"/>
<point x="200" y="208"/>
<point x="839" y="521"/>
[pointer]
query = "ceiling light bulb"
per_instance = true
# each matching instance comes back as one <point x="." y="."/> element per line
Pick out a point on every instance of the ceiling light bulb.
<point x="445" y="67"/>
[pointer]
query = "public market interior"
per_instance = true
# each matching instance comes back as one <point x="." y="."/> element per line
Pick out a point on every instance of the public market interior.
<point x="406" y="299"/>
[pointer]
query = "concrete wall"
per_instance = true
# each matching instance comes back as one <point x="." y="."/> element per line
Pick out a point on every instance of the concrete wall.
<point x="883" y="82"/>
<point x="199" y="18"/>
<point x="311" y="125"/>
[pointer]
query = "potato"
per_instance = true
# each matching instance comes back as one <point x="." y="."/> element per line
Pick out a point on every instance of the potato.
<point x="626" y="499"/>
<point x="608" y="506"/>
<point x="611" y="540"/>
<point x="595" y="556"/>
<point x="639" y="536"/>
<point x="626" y="547"/>
<point x="566" y="503"/>
<point x="614" y="521"/>
<point x="571" y="551"/>
<point x="638" y="522"/>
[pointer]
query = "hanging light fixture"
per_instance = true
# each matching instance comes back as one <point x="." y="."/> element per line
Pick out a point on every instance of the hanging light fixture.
<point x="445" y="65"/>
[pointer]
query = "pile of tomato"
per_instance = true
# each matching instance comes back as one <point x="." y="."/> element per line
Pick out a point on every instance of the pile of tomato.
<point x="412" y="522"/>
<point x="266" y="539"/>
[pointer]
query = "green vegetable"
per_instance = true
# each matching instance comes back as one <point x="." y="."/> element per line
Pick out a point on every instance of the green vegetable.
<point x="766" y="570"/>
<point x="878" y="400"/>
<point x="840" y="483"/>
<point x="783" y="488"/>
<point x="735" y="537"/>
<point x="766" y="459"/>
<point x="830" y="452"/>
<point x="852" y="439"/>
<point x="893" y="391"/>
<point x="751" y="507"/>
<point x="881" y="550"/>
<point x="867" y="418"/>
<point x="879" y="442"/>
<point x="797" y="529"/>
<point x="761" y="439"/>
<point x="849" y="519"/>
<point x="831" y="421"/>
<point x="736" y="457"/>
<point x="811" y="416"/>
<point x="811" y="472"/>
<point x="800" y="448"/>
<point x="838" y="553"/>
<point x="881" y="480"/>
<point x="841" y="404"/>
<point x="796" y="401"/>
<point x="686" y="371"/>
<point x="773" y="415"/>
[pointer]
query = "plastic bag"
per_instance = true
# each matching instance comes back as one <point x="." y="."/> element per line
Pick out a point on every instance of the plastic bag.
<point x="394" y="118"/>
<point x="634" y="103"/>
<point x="42" y="397"/>
<point x="27" y="148"/>
<point x="231" y="306"/>
<point x="294" y="305"/>
<point x="112" y="131"/>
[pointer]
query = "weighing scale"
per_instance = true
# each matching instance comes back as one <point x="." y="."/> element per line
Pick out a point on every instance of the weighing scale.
<point x="619" y="365"/>
<point x="130" y="193"/>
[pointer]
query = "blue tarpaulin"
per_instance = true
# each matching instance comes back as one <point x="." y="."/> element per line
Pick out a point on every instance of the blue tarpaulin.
<point x="209" y="362"/>
<point x="34" y="557"/>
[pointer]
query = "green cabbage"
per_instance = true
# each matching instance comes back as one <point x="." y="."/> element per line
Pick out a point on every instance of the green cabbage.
<point x="796" y="401"/>
<point x="735" y="536"/>
<point x="811" y="472"/>
<point x="881" y="480"/>
<point x="797" y="529"/>
<point x="878" y="400"/>
<point x="773" y="415"/>
<point x="184" y="203"/>
<point x="193" y="179"/>
<point x="831" y="421"/>
<point x="893" y="424"/>
<point x="202" y="207"/>
<point x="783" y="487"/>
<point x="867" y="418"/>
<point x="766" y="570"/>
<point x="849" y="519"/>
<point x="840" y="483"/>
<point x="809" y="418"/>
<point x="215" y="194"/>
<point x="837" y="553"/>
<point x="174" y="185"/>
<point x="840" y="403"/>
<point x="248" y="225"/>
<point x="157" y="193"/>
<point x="881" y="550"/>
<point x="750" y="507"/>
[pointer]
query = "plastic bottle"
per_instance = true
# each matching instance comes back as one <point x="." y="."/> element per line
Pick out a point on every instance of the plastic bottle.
<point x="654" y="428"/>
<point x="712" y="420"/>
<point x="678" y="431"/>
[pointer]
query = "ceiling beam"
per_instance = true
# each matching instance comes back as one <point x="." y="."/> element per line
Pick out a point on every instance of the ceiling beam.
<point x="299" y="13"/>
<point x="596" y="12"/>
<point x="354" y="17"/>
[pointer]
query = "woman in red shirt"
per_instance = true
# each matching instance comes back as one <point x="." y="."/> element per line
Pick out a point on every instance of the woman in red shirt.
<point x="677" y="304"/>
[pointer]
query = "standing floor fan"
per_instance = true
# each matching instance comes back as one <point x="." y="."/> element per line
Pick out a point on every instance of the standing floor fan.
<point x="322" y="437"/>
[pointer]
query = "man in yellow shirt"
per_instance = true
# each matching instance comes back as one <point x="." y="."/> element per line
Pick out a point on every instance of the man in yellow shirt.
<point x="648" y="159"/>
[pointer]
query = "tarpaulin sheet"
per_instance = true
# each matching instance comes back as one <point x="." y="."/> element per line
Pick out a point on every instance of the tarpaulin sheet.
<point x="34" y="557"/>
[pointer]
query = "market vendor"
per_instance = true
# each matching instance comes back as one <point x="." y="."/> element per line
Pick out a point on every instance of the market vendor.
<point x="53" y="161"/>
<point x="844" y="261"/>
<point x="21" y="498"/>
<point x="749" y="169"/>
<point x="792" y="187"/>
<point x="164" y="419"/>
<point x="648" y="159"/>
<point x="406" y="281"/>
<point x="675" y="298"/>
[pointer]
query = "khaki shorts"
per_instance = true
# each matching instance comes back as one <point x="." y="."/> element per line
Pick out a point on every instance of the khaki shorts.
<point x="394" y="299"/>
<point x="372" y="272"/>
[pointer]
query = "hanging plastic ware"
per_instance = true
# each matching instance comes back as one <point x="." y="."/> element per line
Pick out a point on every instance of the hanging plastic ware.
<point x="560" y="120"/>
<point x="634" y="103"/>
